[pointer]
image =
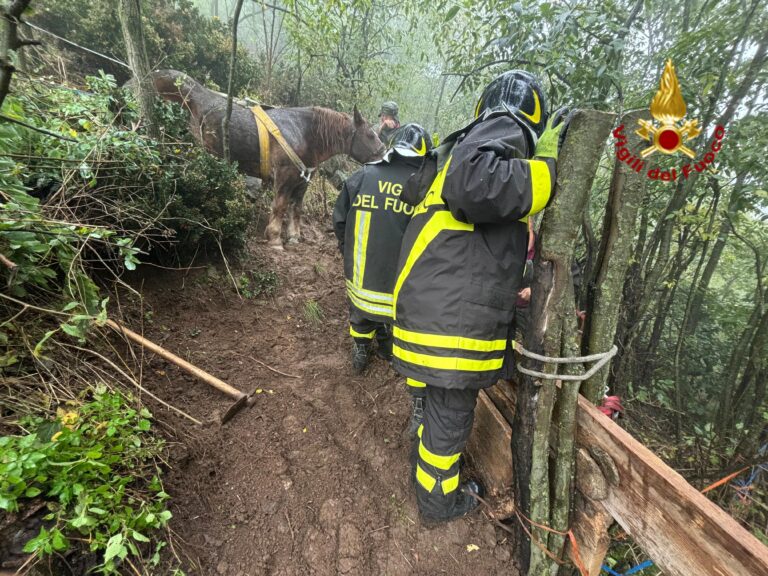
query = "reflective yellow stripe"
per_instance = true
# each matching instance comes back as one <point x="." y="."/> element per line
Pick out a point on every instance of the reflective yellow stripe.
<point x="438" y="222"/>
<point x="379" y="309"/>
<point x="362" y="227"/>
<point x="441" y="462"/>
<point x="370" y="294"/>
<point x="450" y="484"/>
<point x="425" y="479"/>
<point x="541" y="185"/>
<point x="356" y="334"/>
<point x="420" y="431"/>
<point x="415" y="383"/>
<point x="455" y="342"/>
<point x="447" y="363"/>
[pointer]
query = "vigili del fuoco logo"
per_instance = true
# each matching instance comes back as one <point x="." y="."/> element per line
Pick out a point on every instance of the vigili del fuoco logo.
<point x="667" y="135"/>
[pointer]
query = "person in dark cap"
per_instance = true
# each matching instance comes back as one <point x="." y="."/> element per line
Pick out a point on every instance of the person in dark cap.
<point x="388" y="121"/>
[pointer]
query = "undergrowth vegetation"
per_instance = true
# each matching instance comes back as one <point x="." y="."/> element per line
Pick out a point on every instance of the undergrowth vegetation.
<point x="83" y="199"/>
<point x="100" y="199"/>
<point x="83" y="472"/>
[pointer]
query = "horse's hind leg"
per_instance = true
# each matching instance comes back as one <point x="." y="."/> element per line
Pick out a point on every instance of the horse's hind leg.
<point x="275" y="224"/>
<point x="295" y="211"/>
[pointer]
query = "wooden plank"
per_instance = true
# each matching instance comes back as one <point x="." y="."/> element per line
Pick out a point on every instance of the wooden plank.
<point x="680" y="529"/>
<point x="590" y="527"/>
<point x="503" y="396"/>
<point x="490" y="447"/>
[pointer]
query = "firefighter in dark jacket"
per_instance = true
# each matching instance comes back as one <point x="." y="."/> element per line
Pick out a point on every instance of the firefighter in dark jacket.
<point x="460" y="267"/>
<point x="369" y="220"/>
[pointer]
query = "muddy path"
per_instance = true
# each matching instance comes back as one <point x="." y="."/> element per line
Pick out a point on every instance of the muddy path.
<point x="313" y="479"/>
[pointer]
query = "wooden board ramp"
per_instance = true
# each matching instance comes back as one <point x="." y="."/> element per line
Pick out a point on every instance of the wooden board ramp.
<point x="682" y="531"/>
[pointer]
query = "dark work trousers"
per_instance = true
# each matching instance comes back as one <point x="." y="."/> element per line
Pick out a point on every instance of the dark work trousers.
<point x="416" y="388"/>
<point x="448" y="418"/>
<point x="363" y="330"/>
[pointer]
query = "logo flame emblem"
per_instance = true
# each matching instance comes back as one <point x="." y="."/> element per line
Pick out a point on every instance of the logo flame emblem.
<point x="668" y="108"/>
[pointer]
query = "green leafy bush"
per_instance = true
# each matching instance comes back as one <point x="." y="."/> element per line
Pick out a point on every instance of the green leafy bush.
<point x="87" y="465"/>
<point x="103" y="197"/>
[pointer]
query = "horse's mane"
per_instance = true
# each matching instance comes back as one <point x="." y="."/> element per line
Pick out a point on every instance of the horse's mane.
<point x="329" y="128"/>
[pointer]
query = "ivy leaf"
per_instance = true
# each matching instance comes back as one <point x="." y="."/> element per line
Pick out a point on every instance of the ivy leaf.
<point x="58" y="540"/>
<point x="139" y="537"/>
<point x="72" y="330"/>
<point x="115" y="547"/>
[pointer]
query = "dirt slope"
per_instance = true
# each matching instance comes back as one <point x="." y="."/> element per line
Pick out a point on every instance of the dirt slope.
<point x="314" y="478"/>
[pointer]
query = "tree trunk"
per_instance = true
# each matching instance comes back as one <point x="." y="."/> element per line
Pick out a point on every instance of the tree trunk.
<point x="552" y="326"/>
<point x="604" y="294"/>
<point x="755" y="374"/>
<point x="10" y="17"/>
<point x="129" y="12"/>
<point x="230" y="84"/>
<point x="732" y="371"/>
<point x="590" y="249"/>
<point x="436" y="120"/>
<point x="717" y="251"/>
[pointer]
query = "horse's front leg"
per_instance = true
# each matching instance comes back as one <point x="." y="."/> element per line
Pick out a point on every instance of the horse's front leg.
<point x="279" y="206"/>
<point x="295" y="212"/>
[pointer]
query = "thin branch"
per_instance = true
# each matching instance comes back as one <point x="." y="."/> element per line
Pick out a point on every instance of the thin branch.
<point x="35" y="128"/>
<point x="5" y="261"/>
<point x="83" y="48"/>
<point x="758" y="256"/>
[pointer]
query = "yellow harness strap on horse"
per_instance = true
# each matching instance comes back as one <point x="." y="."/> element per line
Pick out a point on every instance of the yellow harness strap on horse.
<point x="267" y="127"/>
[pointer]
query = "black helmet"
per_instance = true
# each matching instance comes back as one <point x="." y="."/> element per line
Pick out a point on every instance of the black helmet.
<point x="520" y="93"/>
<point x="411" y="140"/>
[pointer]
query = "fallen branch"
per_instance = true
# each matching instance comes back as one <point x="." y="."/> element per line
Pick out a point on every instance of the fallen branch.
<point x="7" y="263"/>
<point x="275" y="370"/>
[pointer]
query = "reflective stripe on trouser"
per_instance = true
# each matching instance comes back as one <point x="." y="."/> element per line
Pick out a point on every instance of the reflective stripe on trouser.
<point x="416" y="387"/>
<point x="448" y="417"/>
<point x="363" y="329"/>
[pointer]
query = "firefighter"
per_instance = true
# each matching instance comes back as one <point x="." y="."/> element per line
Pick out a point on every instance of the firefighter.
<point x="369" y="220"/>
<point x="459" y="271"/>
<point x="388" y="121"/>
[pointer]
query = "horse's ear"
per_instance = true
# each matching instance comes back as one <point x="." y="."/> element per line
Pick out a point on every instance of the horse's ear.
<point x="359" y="120"/>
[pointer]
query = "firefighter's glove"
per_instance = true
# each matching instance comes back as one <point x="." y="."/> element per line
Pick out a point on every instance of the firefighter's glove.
<point x="551" y="140"/>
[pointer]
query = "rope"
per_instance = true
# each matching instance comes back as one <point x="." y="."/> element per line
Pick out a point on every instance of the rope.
<point x="522" y="518"/>
<point x="601" y="360"/>
<point x="635" y="570"/>
<point x="99" y="54"/>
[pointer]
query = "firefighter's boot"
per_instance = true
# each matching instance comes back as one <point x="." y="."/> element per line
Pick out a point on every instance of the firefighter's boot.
<point x="436" y="507"/>
<point x="360" y="354"/>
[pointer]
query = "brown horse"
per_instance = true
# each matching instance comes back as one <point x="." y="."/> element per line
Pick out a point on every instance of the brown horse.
<point x="315" y="134"/>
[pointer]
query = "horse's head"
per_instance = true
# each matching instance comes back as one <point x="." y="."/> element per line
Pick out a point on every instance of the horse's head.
<point x="365" y="145"/>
